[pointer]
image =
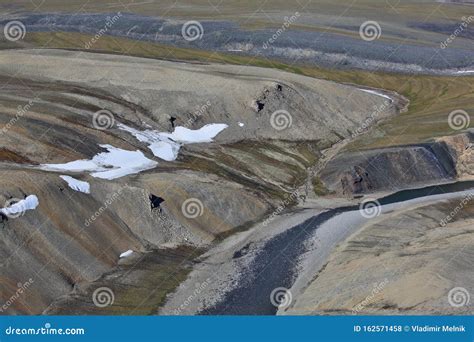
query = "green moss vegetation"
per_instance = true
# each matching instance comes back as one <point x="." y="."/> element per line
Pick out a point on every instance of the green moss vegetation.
<point x="319" y="188"/>
<point x="138" y="287"/>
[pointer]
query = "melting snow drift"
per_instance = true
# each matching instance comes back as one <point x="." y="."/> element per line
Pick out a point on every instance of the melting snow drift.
<point x="166" y="145"/>
<point x="117" y="162"/>
<point x="376" y="93"/>
<point x="465" y="72"/>
<point x="189" y="136"/>
<point x="126" y="254"/>
<point x="112" y="164"/>
<point x="18" y="208"/>
<point x="77" y="185"/>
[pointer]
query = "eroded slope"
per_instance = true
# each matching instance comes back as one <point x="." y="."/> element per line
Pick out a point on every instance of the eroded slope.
<point x="49" y="105"/>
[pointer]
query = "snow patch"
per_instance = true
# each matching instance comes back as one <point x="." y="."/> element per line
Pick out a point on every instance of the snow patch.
<point x="166" y="145"/>
<point x="117" y="162"/>
<point x="76" y="184"/>
<point x="126" y="254"/>
<point x="114" y="163"/>
<point x="202" y="135"/>
<point x="29" y="203"/>
<point x="162" y="147"/>
<point x="377" y="93"/>
<point x="241" y="124"/>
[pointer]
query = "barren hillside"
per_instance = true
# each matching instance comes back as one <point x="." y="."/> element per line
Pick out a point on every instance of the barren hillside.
<point x="61" y="107"/>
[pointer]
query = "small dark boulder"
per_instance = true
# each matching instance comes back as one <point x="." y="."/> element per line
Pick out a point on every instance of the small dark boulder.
<point x="155" y="201"/>
<point x="172" y="120"/>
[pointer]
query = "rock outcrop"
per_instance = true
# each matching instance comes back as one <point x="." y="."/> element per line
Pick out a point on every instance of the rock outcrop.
<point x="395" y="168"/>
<point x="461" y="147"/>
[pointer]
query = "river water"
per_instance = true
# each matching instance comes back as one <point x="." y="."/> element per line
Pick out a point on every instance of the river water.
<point x="276" y="264"/>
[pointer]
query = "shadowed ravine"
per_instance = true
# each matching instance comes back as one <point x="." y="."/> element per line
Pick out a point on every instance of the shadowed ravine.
<point x="275" y="264"/>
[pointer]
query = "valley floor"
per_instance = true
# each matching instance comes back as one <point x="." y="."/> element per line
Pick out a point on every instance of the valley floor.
<point x="296" y="252"/>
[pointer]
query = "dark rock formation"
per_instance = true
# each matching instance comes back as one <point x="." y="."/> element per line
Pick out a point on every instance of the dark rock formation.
<point x="390" y="168"/>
